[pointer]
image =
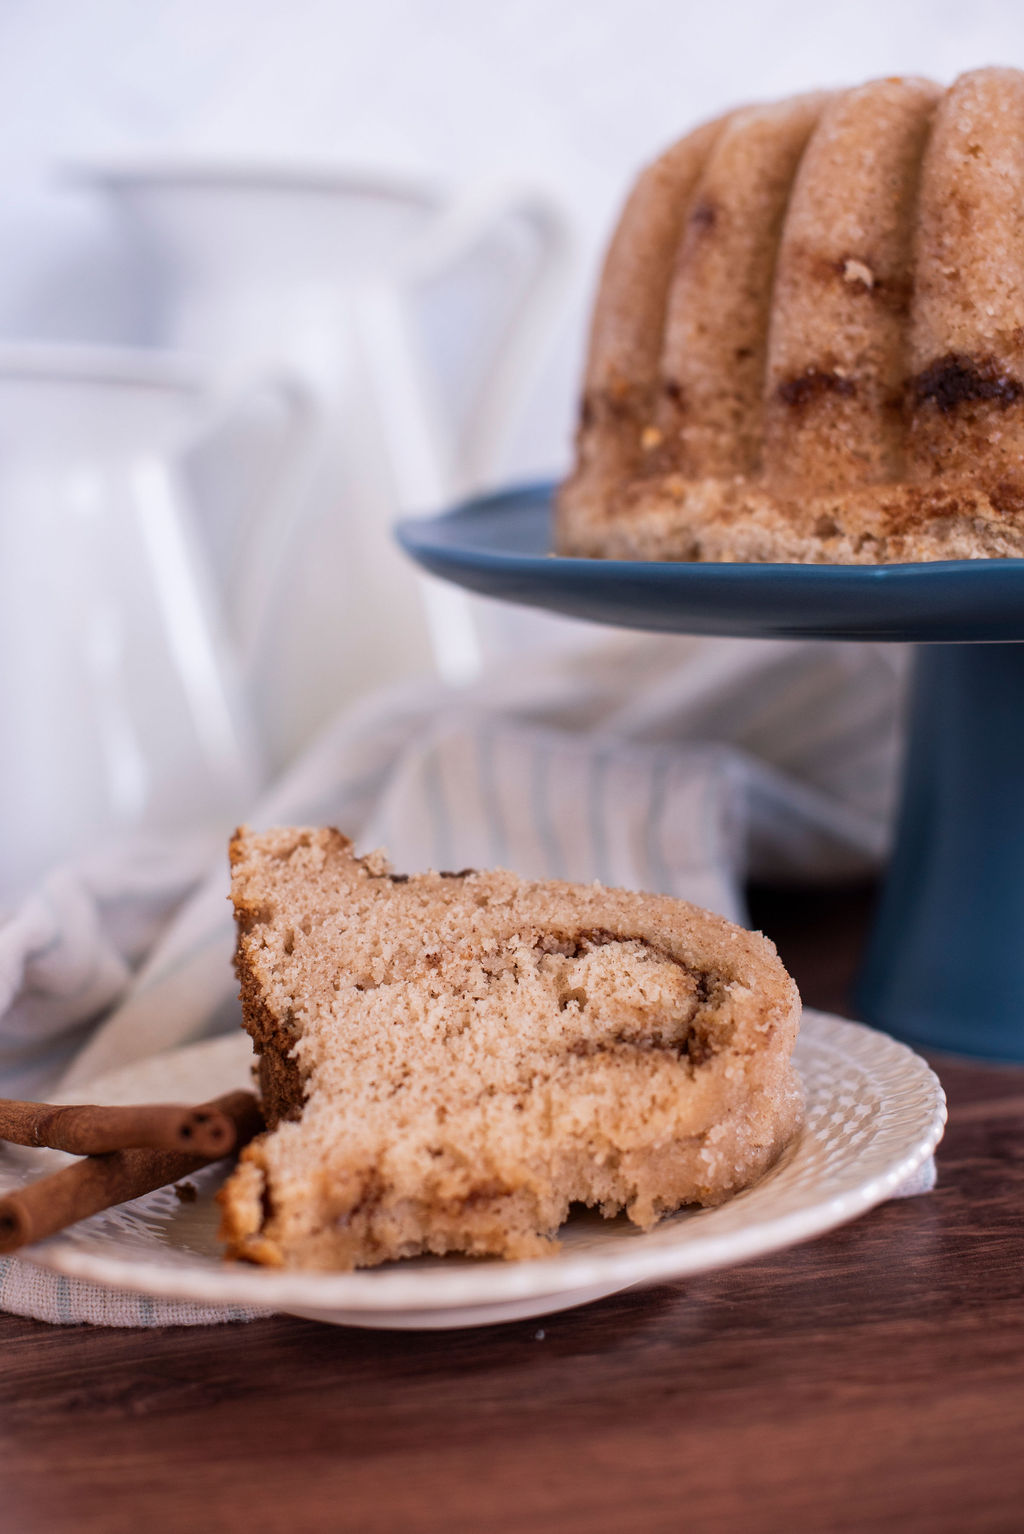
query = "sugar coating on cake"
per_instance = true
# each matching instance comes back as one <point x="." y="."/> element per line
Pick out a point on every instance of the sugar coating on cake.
<point x="449" y="1061"/>
<point x="808" y="339"/>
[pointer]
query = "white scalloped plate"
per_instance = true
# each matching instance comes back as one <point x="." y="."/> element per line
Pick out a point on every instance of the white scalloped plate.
<point x="875" y="1113"/>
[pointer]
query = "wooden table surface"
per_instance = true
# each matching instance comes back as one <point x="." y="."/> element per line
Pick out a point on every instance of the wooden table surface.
<point x="871" y="1380"/>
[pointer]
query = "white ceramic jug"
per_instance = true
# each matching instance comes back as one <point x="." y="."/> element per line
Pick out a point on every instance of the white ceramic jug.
<point x="120" y="707"/>
<point x="352" y="281"/>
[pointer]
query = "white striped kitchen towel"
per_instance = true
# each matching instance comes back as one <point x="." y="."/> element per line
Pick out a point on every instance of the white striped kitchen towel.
<point x="670" y="764"/>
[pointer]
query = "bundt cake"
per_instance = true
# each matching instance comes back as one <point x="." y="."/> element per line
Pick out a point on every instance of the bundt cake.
<point x="449" y="1060"/>
<point x="808" y="341"/>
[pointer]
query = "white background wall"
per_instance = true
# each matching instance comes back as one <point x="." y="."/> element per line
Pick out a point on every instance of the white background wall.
<point x="574" y="96"/>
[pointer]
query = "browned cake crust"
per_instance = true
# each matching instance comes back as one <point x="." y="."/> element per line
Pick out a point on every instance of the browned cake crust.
<point x="450" y="1060"/>
<point x="808" y="341"/>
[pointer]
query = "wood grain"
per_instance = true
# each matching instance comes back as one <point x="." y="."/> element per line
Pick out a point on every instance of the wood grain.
<point x="873" y="1379"/>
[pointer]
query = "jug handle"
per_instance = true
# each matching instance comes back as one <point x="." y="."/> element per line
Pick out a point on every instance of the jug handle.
<point x="275" y="520"/>
<point x="528" y="330"/>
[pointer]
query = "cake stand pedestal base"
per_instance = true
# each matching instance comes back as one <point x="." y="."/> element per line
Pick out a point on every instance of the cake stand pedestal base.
<point x="945" y="965"/>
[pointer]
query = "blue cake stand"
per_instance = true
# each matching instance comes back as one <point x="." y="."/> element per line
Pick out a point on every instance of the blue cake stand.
<point x="945" y="965"/>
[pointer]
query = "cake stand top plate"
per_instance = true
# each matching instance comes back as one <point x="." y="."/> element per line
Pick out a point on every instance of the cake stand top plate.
<point x="499" y="545"/>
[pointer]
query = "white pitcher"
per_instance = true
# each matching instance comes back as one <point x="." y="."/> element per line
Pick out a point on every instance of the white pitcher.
<point x="120" y="707"/>
<point x="339" y="276"/>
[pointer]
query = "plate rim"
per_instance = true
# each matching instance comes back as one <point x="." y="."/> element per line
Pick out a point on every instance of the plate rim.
<point x="972" y="601"/>
<point x="392" y="1290"/>
<point x="410" y="532"/>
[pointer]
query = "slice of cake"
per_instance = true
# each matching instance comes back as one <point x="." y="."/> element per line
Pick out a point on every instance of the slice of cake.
<point x="449" y="1061"/>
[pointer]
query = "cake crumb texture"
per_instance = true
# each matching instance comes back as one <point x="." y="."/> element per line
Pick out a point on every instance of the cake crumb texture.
<point x="450" y="1060"/>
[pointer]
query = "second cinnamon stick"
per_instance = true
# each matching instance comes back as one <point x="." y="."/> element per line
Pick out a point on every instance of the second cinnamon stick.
<point x="93" y="1130"/>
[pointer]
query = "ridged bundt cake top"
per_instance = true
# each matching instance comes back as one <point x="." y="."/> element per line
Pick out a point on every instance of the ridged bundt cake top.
<point x="808" y="341"/>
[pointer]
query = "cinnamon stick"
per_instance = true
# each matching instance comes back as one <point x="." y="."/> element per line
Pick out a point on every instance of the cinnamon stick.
<point x="99" y="1182"/>
<point x="91" y="1131"/>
